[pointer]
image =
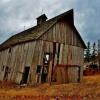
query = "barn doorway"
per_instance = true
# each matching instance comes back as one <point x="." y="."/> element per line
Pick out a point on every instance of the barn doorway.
<point x="25" y="75"/>
<point x="6" y="73"/>
<point x="46" y="60"/>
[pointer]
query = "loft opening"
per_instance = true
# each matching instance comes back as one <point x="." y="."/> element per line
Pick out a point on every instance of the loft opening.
<point x="46" y="58"/>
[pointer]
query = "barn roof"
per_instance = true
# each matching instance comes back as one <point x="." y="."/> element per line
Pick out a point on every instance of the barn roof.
<point x="35" y="32"/>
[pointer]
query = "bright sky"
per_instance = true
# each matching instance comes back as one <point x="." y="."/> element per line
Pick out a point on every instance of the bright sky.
<point x="15" y="14"/>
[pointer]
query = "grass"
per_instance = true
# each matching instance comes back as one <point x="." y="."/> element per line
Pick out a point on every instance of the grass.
<point x="87" y="89"/>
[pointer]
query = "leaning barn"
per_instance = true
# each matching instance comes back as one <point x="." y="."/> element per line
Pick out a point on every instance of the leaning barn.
<point x="52" y="50"/>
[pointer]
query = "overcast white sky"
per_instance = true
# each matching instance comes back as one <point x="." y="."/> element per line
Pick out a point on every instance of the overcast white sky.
<point x="15" y="14"/>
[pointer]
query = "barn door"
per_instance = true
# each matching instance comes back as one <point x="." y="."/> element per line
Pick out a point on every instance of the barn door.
<point x="25" y="75"/>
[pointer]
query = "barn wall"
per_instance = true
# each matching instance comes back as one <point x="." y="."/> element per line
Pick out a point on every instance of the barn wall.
<point x="3" y="61"/>
<point x="63" y="32"/>
<point x="71" y="48"/>
<point x="27" y="54"/>
<point x="73" y="74"/>
<point x="65" y="74"/>
<point x="20" y="56"/>
<point x="68" y="55"/>
<point x="31" y="54"/>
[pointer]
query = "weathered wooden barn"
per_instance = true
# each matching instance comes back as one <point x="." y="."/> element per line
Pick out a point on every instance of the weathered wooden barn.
<point x="53" y="50"/>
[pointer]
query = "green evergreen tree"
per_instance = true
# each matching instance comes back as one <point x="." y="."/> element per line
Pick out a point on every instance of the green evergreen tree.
<point x="93" y="51"/>
<point x="88" y="54"/>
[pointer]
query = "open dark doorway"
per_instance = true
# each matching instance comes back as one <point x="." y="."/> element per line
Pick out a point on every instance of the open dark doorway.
<point x="44" y="74"/>
<point x="25" y="75"/>
<point x="46" y="60"/>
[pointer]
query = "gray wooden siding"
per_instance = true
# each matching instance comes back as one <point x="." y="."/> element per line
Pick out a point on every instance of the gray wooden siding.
<point x="63" y="33"/>
<point x="31" y="54"/>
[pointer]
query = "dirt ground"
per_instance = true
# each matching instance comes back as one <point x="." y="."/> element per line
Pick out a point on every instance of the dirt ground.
<point x="87" y="89"/>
